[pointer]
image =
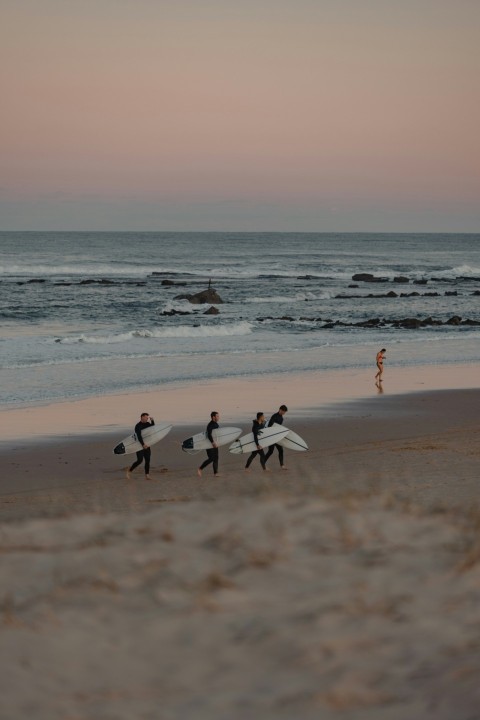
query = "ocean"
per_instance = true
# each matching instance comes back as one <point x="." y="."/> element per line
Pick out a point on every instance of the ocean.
<point x="86" y="313"/>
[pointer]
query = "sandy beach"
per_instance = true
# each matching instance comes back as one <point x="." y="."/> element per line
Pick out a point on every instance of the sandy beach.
<point x="346" y="586"/>
<point x="229" y="207"/>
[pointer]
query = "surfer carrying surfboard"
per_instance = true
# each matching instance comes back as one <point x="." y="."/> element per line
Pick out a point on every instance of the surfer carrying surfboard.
<point x="212" y="453"/>
<point x="257" y="426"/>
<point x="146" y="453"/>
<point x="278" y="419"/>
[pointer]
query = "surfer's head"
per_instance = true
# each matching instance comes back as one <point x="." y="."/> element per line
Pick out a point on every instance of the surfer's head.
<point x="282" y="409"/>
<point x="144" y="416"/>
<point x="260" y="417"/>
<point x="214" y="415"/>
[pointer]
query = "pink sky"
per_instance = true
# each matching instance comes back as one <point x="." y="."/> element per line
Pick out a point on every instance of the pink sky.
<point x="256" y="115"/>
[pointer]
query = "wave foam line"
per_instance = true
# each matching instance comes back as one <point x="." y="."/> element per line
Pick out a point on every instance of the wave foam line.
<point x="180" y="331"/>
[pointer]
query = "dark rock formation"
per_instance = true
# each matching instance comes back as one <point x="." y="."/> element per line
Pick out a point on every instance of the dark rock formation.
<point x="170" y="283"/>
<point x="407" y="323"/>
<point x="205" y="296"/>
<point x="373" y="322"/>
<point x="175" y="312"/>
<point x="401" y="279"/>
<point x="212" y="311"/>
<point x="368" y="277"/>
<point x="390" y="294"/>
<point x="93" y="281"/>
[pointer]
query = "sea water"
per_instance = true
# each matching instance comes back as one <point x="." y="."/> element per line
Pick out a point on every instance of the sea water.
<point x="85" y="314"/>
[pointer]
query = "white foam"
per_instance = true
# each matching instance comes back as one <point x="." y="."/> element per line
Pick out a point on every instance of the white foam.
<point x="178" y="331"/>
<point x="466" y="271"/>
<point x="177" y="306"/>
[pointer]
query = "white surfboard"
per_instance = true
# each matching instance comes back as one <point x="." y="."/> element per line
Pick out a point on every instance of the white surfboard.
<point x="151" y="435"/>
<point x="266" y="437"/>
<point x="200" y="441"/>
<point x="292" y="441"/>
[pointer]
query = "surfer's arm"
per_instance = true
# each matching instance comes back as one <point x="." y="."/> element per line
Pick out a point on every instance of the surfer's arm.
<point x="144" y="444"/>
<point x="255" y="430"/>
<point x="138" y="432"/>
<point x="210" y="428"/>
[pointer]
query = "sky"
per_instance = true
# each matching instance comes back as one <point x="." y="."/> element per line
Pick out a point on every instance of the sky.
<point x="244" y="115"/>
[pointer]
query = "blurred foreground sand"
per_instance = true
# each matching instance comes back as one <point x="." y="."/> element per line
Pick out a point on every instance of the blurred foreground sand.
<point x="347" y="587"/>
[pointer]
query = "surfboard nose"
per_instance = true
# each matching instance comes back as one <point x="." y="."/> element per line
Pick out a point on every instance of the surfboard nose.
<point x="119" y="449"/>
<point x="187" y="444"/>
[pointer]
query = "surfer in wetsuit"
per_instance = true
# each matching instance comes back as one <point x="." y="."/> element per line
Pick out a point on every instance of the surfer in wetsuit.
<point x="145" y="422"/>
<point x="277" y="418"/>
<point x="258" y="425"/>
<point x="212" y="453"/>
<point x="379" y="360"/>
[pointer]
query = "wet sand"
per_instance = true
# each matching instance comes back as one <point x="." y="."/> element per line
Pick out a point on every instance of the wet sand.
<point x="347" y="586"/>
<point x="421" y="446"/>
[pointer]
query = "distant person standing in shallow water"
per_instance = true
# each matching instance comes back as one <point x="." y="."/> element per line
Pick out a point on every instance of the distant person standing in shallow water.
<point x="380" y="359"/>
<point x="277" y="418"/>
<point x="145" y="422"/>
<point x="212" y="453"/>
<point x="258" y="425"/>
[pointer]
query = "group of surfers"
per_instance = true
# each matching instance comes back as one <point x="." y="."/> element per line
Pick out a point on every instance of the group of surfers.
<point x="144" y="455"/>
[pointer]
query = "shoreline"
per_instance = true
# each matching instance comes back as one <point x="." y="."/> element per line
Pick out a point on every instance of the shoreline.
<point x="309" y="394"/>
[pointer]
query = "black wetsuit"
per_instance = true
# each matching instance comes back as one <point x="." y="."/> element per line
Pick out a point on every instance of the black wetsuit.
<point x="276" y="418"/>
<point x="146" y="453"/>
<point x="256" y="427"/>
<point x="212" y="453"/>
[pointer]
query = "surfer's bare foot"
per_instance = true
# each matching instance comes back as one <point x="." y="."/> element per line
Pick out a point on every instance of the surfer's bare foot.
<point x="247" y="469"/>
<point x="283" y="467"/>
<point x="127" y="474"/>
<point x="199" y="472"/>
<point x="147" y="477"/>
<point x="265" y="469"/>
<point x="217" y="474"/>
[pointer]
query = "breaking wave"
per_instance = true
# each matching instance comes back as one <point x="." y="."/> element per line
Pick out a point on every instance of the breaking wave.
<point x="179" y="331"/>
